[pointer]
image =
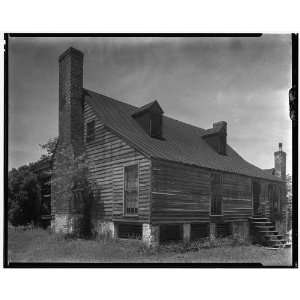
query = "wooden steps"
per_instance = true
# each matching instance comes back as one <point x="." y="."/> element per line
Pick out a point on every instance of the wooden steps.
<point x="265" y="233"/>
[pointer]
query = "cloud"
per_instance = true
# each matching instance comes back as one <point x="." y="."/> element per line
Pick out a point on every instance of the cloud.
<point x="243" y="81"/>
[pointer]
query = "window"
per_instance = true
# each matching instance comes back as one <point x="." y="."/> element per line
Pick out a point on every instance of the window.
<point x="90" y="131"/>
<point x="131" y="190"/>
<point x="216" y="195"/>
<point x="156" y="126"/>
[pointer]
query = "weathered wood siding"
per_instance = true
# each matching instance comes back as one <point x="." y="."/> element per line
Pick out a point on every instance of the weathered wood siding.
<point x="181" y="193"/>
<point x="237" y="197"/>
<point x="169" y="192"/>
<point x="265" y="201"/>
<point x="107" y="156"/>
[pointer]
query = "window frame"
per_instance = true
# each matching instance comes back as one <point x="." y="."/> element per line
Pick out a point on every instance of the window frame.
<point x="90" y="137"/>
<point x="125" y="213"/>
<point x="214" y="194"/>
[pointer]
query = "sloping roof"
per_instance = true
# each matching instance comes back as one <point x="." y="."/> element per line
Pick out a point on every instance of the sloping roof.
<point x="152" y="105"/>
<point x="269" y="171"/>
<point x="182" y="142"/>
<point x="212" y="131"/>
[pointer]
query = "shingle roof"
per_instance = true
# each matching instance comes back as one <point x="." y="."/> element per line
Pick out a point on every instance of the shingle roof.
<point x="269" y="171"/>
<point x="147" y="107"/>
<point x="182" y="142"/>
<point x="212" y="131"/>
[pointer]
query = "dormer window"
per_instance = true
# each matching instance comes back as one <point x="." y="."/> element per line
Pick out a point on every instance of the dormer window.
<point x="150" y="118"/>
<point x="156" y="126"/>
<point x="216" y="137"/>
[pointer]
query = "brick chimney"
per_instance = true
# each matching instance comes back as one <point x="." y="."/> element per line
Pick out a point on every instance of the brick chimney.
<point x="70" y="99"/>
<point x="216" y="137"/>
<point x="280" y="162"/>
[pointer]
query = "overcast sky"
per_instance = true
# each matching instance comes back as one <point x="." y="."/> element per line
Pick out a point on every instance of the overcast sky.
<point x="243" y="81"/>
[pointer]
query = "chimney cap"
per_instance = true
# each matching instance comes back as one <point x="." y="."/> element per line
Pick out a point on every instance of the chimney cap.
<point x="220" y="123"/>
<point x="71" y="51"/>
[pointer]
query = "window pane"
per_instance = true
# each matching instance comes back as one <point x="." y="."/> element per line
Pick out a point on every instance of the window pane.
<point x="131" y="189"/>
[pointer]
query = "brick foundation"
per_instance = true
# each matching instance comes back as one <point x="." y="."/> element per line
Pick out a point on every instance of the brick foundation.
<point x="241" y="230"/>
<point x="212" y="231"/>
<point x="151" y="235"/>
<point x="107" y="229"/>
<point x="64" y="223"/>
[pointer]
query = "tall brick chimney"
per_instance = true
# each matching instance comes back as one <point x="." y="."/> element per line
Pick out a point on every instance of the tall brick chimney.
<point x="280" y="163"/>
<point x="70" y="99"/>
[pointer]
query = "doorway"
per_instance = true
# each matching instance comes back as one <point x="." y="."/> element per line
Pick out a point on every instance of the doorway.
<point x="273" y="196"/>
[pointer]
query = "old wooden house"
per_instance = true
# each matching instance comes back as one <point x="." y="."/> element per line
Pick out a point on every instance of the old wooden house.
<point x="156" y="177"/>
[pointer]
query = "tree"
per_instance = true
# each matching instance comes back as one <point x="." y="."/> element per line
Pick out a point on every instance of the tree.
<point x="289" y="191"/>
<point x="289" y="188"/>
<point x="23" y="196"/>
<point x="24" y="190"/>
<point x="50" y="147"/>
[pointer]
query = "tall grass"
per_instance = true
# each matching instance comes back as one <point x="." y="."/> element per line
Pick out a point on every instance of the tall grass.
<point x="38" y="245"/>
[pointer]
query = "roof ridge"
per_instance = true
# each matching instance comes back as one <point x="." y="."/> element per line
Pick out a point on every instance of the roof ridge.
<point x="136" y="107"/>
<point x="113" y="99"/>
<point x="183" y="146"/>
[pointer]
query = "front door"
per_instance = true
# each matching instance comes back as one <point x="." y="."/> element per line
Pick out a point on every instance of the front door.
<point x="255" y="197"/>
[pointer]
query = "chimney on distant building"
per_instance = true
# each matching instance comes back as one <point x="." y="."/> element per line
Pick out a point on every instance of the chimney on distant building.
<point x="280" y="163"/>
<point x="70" y="99"/>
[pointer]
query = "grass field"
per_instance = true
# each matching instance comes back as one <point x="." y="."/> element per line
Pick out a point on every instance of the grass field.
<point x="42" y="246"/>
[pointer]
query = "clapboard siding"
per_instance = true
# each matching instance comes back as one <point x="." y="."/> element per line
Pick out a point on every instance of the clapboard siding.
<point x="237" y="197"/>
<point x="265" y="201"/>
<point x="107" y="155"/>
<point x="180" y="193"/>
<point x="169" y="192"/>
